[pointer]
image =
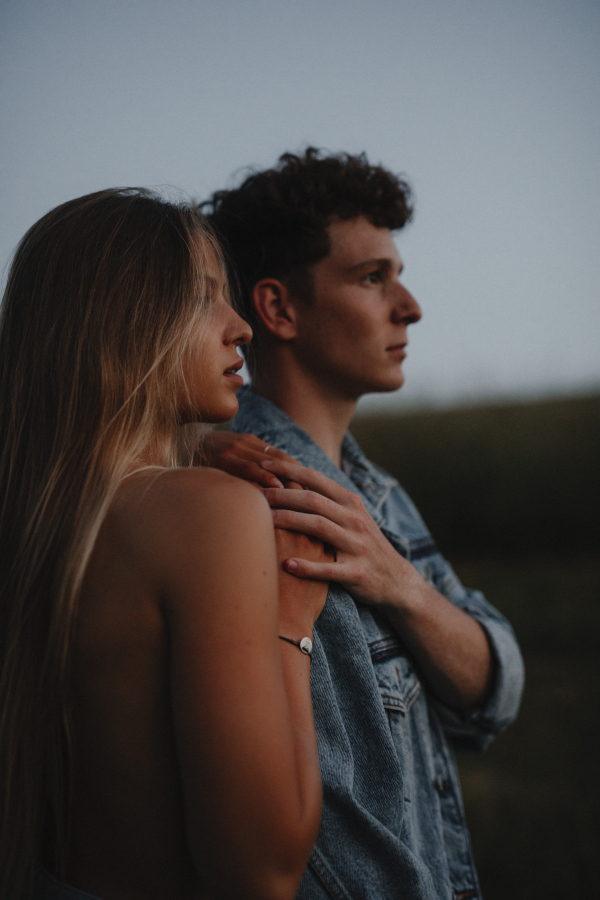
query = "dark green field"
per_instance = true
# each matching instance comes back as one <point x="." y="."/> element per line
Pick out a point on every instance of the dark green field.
<point x="517" y="479"/>
<point x="512" y="495"/>
<point x="533" y="798"/>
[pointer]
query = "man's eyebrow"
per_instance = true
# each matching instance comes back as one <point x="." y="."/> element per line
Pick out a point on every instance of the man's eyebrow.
<point x="382" y="263"/>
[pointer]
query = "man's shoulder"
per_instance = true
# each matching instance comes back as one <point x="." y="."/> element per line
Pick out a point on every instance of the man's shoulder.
<point x="261" y="417"/>
<point x="386" y="499"/>
<point x="256" y="414"/>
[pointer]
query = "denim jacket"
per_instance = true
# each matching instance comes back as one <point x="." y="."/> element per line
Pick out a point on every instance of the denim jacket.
<point x="393" y="825"/>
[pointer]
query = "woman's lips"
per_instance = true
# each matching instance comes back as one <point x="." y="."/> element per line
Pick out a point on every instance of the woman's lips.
<point x="232" y="372"/>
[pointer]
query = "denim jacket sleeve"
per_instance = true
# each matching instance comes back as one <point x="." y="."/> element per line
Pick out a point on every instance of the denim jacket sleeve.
<point x="473" y="728"/>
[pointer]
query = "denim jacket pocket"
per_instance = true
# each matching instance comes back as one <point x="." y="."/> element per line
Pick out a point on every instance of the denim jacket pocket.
<point x="398" y="683"/>
<point x="326" y="876"/>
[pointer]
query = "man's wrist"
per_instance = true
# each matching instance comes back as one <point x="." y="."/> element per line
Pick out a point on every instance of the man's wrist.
<point x="409" y="594"/>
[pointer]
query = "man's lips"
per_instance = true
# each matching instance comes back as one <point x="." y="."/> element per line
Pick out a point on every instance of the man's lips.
<point x="398" y="351"/>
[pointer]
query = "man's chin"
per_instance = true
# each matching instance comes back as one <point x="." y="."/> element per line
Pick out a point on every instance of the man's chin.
<point x="386" y="386"/>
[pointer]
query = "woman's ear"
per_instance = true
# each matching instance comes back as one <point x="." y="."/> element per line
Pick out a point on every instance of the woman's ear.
<point x="275" y="309"/>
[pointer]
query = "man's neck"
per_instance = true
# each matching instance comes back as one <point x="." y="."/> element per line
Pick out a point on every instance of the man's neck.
<point x="315" y="407"/>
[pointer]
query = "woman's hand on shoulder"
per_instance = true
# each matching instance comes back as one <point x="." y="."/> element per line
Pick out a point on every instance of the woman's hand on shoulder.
<point x="240" y="455"/>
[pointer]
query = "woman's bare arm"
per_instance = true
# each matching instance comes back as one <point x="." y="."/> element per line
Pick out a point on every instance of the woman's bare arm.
<point x="241" y="698"/>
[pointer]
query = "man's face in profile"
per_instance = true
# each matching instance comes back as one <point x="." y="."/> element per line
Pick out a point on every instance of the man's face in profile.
<point x="353" y="334"/>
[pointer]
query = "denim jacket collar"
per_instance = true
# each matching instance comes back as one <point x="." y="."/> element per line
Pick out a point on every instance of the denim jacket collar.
<point x="261" y="417"/>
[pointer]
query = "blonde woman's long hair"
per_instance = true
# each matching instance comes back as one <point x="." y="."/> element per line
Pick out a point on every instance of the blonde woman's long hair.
<point x="103" y="297"/>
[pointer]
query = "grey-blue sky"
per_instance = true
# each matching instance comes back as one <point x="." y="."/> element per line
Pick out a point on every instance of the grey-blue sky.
<point x="491" y="107"/>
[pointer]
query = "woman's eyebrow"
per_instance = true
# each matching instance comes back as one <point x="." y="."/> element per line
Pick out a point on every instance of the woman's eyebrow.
<point x="211" y="284"/>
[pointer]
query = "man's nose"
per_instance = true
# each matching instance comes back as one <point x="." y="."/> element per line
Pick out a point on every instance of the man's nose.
<point x="405" y="309"/>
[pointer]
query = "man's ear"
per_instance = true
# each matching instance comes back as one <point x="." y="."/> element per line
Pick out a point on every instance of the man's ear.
<point x="274" y="307"/>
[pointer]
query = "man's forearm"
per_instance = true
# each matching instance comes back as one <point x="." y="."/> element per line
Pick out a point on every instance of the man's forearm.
<point x="450" y="646"/>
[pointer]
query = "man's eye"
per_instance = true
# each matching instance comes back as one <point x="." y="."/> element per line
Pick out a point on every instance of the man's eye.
<point x="373" y="277"/>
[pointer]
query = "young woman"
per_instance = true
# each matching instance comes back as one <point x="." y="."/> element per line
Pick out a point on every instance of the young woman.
<point x="156" y="737"/>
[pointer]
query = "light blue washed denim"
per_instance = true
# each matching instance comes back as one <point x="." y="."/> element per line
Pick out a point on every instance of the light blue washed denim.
<point x="393" y="824"/>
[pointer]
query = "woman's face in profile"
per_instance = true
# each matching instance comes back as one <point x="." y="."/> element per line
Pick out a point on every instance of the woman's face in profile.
<point x="213" y="363"/>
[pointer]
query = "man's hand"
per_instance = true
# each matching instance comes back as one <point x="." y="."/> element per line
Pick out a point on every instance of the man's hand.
<point x="450" y="646"/>
<point x="365" y="562"/>
<point x="240" y="455"/>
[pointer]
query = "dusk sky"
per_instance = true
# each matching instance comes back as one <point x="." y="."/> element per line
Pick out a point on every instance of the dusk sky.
<point x="491" y="109"/>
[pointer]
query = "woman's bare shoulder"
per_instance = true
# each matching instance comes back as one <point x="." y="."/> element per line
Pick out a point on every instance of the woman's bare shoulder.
<point x="187" y="491"/>
<point x="175" y="513"/>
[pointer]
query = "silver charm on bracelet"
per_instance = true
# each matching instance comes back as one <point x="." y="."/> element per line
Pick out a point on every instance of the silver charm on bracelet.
<point x="305" y="644"/>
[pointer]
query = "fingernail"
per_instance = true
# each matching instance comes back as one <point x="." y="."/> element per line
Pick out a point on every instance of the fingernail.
<point x="267" y="463"/>
<point x="291" y="564"/>
<point x="276" y="483"/>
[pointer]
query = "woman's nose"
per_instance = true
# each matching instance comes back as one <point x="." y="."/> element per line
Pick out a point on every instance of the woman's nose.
<point x="241" y="331"/>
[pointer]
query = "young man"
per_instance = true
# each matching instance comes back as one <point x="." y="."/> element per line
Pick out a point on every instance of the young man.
<point x="405" y="660"/>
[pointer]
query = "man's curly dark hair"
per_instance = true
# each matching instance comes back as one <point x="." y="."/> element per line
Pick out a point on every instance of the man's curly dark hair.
<point x="274" y="225"/>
